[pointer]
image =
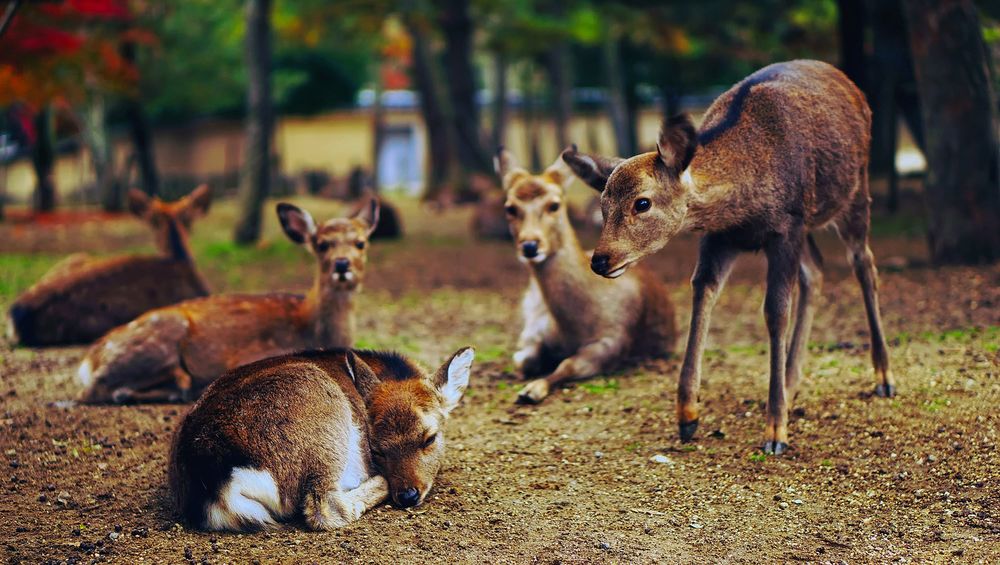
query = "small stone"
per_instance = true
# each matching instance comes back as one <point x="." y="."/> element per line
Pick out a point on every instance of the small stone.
<point x="598" y="454"/>
<point x="696" y="525"/>
<point x="113" y="536"/>
<point x="604" y="545"/>
<point x="783" y="505"/>
<point x="797" y="501"/>
<point x="662" y="459"/>
<point x="932" y="458"/>
<point x="42" y="498"/>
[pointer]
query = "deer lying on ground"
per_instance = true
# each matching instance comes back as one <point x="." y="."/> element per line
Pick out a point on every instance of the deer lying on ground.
<point x="780" y="153"/>
<point x="82" y="298"/>
<point x="575" y="325"/>
<point x="328" y="434"/>
<point x="171" y="353"/>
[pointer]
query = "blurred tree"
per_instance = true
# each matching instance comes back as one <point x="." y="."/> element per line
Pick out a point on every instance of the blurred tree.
<point x="255" y="177"/>
<point x="43" y="157"/>
<point x="959" y="114"/>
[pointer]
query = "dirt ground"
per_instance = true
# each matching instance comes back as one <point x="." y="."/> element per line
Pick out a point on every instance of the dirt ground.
<point x="915" y="478"/>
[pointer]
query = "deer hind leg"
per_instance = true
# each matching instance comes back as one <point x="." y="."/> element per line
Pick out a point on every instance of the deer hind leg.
<point x="332" y="508"/>
<point x="715" y="261"/>
<point x="810" y="286"/>
<point x="172" y="385"/>
<point x="783" y="264"/>
<point x="590" y="360"/>
<point x="853" y="230"/>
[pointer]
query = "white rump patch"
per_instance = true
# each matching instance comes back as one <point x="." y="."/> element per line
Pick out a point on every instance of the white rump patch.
<point x="355" y="471"/>
<point x="249" y="499"/>
<point x="85" y="374"/>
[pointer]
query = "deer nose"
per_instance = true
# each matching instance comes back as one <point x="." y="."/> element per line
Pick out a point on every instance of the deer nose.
<point x="341" y="265"/>
<point x="599" y="264"/>
<point x="407" y="498"/>
<point x="530" y="248"/>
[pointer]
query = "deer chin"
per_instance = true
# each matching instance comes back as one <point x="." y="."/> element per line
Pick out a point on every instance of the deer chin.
<point x="344" y="281"/>
<point x="537" y="259"/>
<point x="620" y="270"/>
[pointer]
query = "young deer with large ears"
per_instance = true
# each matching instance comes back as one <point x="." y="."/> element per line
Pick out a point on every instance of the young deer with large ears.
<point x="172" y="353"/>
<point x="575" y="325"/>
<point x="82" y="298"/>
<point x="328" y="434"/>
<point x="782" y="152"/>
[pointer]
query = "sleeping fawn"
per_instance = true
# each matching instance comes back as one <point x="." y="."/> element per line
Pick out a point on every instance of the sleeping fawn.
<point x="781" y="153"/>
<point x="171" y="353"/>
<point x="575" y="325"/>
<point x="82" y="298"/>
<point x="325" y="434"/>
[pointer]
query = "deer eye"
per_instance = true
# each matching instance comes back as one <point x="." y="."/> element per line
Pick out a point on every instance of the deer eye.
<point x="322" y="246"/>
<point x="359" y="244"/>
<point x="641" y="205"/>
<point x="511" y="211"/>
<point x="554" y="207"/>
<point x="429" y="441"/>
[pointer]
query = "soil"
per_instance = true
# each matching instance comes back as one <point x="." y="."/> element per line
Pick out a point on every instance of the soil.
<point x="594" y="474"/>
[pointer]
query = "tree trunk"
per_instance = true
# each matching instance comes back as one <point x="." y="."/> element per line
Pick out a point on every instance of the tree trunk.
<point x="255" y="178"/>
<point x="456" y="25"/>
<point x="558" y="66"/>
<point x="378" y="126"/>
<point x="852" y="41"/>
<point x="142" y="142"/>
<point x="435" y="120"/>
<point x="499" y="99"/>
<point x="959" y="115"/>
<point x="98" y="140"/>
<point x="44" y="158"/>
<point x="616" y="96"/>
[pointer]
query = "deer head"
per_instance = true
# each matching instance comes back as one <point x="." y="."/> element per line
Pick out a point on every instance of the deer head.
<point x="534" y="206"/>
<point x="340" y="245"/>
<point x="407" y="419"/>
<point x="644" y="199"/>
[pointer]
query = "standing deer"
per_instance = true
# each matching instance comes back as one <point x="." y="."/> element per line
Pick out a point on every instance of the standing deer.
<point x="783" y="152"/>
<point x="328" y="434"/>
<point x="575" y="325"/>
<point x="82" y="298"/>
<point x="171" y="353"/>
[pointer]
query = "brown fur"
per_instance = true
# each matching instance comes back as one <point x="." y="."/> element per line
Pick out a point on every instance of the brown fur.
<point x="171" y="353"/>
<point x="292" y="416"/>
<point x="780" y="153"/>
<point x="576" y="325"/>
<point x="82" y="298"/>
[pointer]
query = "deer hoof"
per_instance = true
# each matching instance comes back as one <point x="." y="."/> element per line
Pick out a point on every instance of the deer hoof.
<point x="533" y="392"/>
<point x="884" y="390"/>
<point x="687" y="430"/>
<point x="775" y="447"/>
<point x="122" y="395"/>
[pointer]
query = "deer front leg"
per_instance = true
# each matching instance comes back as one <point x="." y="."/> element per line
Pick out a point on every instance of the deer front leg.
<point x="783" y="256"/>
<point x="532" y="356"/>
<point x="337" y="508"/>
<point x="715" y="261"/>
<point x="590" y="360"/>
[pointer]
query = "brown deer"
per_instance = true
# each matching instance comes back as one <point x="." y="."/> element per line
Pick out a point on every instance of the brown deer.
<point x="782" y="152"/>
<point x="328" y="434"/>
<point x="575" y="325"/>
<point x="82" y="298"/>
<point x="171" y="353"/>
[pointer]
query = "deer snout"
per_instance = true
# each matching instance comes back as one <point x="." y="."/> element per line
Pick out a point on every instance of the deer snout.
<point x="341" y="265"/>
<point x="600" y="264"/>
<point x="529" y="248"/>
<point x="406" y="498"/>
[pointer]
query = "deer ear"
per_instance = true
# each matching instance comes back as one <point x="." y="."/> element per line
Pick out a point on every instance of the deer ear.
<point x="453" y="377"/>
<point x="365" y="379"/>
<point x="677" y="143"/>
<point x="297" y="223"/>
<point x="591" y="169"/>
<point x="138" y="202"/>
<point x="196" y="203"/>
<point x="560" y="173"/>
<point x="370" y="214"/>
<point x="507" y="167"/>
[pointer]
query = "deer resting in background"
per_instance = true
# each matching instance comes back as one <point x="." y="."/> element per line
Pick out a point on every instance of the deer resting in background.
<point x="781" y="153"/>
<point x="575" y="325"/>
<point x="81" y="298"/>
<point x="172" y="353"/>
<point x="323" y="434"/>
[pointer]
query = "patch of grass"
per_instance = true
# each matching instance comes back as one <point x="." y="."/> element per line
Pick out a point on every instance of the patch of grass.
<point x="633" y="447"/>
<point x="491" y="353"/>
<point x="18" y="272"/>
<point x="906" y="225"/>
<point x="757" y="457"/>
<point x="936" y="404"/>
<point x="826" y="463"/>
<point x="601" y="387"/>
<point x="502" y="386"/>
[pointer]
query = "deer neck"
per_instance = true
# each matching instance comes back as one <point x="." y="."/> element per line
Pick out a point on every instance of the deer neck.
<point x="564" y="277"/>
<point x="712" y="206"/>
<point x="331" y="315"/>
<point x="178" y="249"/>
